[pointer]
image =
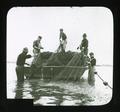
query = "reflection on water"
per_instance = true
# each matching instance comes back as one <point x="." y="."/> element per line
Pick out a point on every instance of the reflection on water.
<point x="48" y="94"/>
<point x="19" y="91"/>
<point x="60" y="93"/>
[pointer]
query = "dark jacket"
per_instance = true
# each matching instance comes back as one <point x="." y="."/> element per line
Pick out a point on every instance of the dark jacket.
<point x="84" y="43"/>
<point x="63" y="36"/>
<point x="35" y="43"/>
<point x="21" y="59"/>
<point x="93" y="61"/>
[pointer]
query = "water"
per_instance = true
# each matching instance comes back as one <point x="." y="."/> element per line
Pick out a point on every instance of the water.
<point x="61" y="93"/>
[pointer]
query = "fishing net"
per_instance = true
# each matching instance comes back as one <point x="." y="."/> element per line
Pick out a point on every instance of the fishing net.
<point x="37" y="60"/>
<point x="75" y="69"/>
<point x="68" y="66"/>
<point x="55" y="64"/>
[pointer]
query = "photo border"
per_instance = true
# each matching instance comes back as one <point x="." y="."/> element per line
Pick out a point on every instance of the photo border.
<point x="27" y="105"/>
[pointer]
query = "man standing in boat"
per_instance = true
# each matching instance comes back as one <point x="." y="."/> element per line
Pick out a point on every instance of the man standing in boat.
<point x="91" y="64"/>
<point x="37" y="55"/>
<point x="63" y="41"/>
<point x="20" y="64"/>
<point x="84" y="44"/>
<point x="37" y="49"/>
<point x="37" y="46"/>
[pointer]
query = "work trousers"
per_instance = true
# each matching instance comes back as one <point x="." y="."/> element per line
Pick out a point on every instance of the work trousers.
<point x="20" y="73"/>
<point x="91" y="76"/>
<point x="62" y="46"/>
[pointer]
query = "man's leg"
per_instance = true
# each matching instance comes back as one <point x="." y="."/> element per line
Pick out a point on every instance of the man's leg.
<point x="33" y="69"/>
<point x="86" y="51"/>
<point x="20" y="73"/>
<point x="17" y="72"/>
<point x="62" y="48"/>
<point x="64" y="45"/>
<point x="91" y="77"/>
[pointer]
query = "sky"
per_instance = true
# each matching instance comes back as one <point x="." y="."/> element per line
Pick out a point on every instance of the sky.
<point x="25" y="24"/>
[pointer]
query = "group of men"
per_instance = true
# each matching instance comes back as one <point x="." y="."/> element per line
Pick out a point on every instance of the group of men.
<point x="23" y="56"/>
<point x="63" y="42"/>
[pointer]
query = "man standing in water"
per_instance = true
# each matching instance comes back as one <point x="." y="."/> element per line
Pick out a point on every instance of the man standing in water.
<point x="84" y="44"/>
<point x="63" y="41"/>
<point x="20" y="64"/>
<point x="91" y="75"/>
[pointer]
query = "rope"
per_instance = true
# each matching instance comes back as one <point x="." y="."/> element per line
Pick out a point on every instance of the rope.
<point x="64" y="67"/>
<point x="67" y="66"/>
<point x="104" y="82"/>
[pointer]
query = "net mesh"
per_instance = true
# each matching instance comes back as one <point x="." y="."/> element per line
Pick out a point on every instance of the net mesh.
<point x="72" y="74"/>
<point x="63" y="73"/>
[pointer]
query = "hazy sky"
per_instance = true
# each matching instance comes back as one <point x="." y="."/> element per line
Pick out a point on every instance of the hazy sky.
<point x="24" y="24"/>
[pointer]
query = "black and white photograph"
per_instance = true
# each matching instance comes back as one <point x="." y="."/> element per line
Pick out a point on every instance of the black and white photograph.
<point x="60" y="56"/>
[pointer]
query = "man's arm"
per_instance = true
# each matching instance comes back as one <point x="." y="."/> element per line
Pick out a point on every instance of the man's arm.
<point x="41" y="47"/>
<point x="34" y="45"/>
<point x="17" y="62"/>
<point x="78" y="47"/>
<point x="60" y="36"/>
<point x="28" y="56"/>
<point x="81" y="45"/>
<point x="27" y="64"/>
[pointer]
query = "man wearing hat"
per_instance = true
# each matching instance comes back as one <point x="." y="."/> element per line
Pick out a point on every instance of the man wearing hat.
<point x="20" y="64"/>
<point x="63" y="41"/>
<point x="84" y="44"/>
<point x="92" y="63"/>
<point x="37" y="50"/>
<point x="37" y="55"/>
<point x="37" y="46"/>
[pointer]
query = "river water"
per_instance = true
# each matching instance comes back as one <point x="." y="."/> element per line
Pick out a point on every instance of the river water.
<point x="61" y="93"/>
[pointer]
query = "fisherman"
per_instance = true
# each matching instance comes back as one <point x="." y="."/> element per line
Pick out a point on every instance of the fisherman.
<point x="37" y="55"/>
<point x="37" y="46"/>
<point x="84" y="44"/>
<point x="91" y="66"/>
<point x="37" y="50"/>
<point x="63" y="41"/>
<point x="20" y="64"/>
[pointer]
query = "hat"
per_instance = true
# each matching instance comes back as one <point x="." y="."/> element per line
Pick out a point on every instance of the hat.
<point x="91" y="53"/>
<point x="61" y="29"/>
<point x="84" y="35"/>
<point x="25" y="49"/>
<point x="40" y="37"/>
